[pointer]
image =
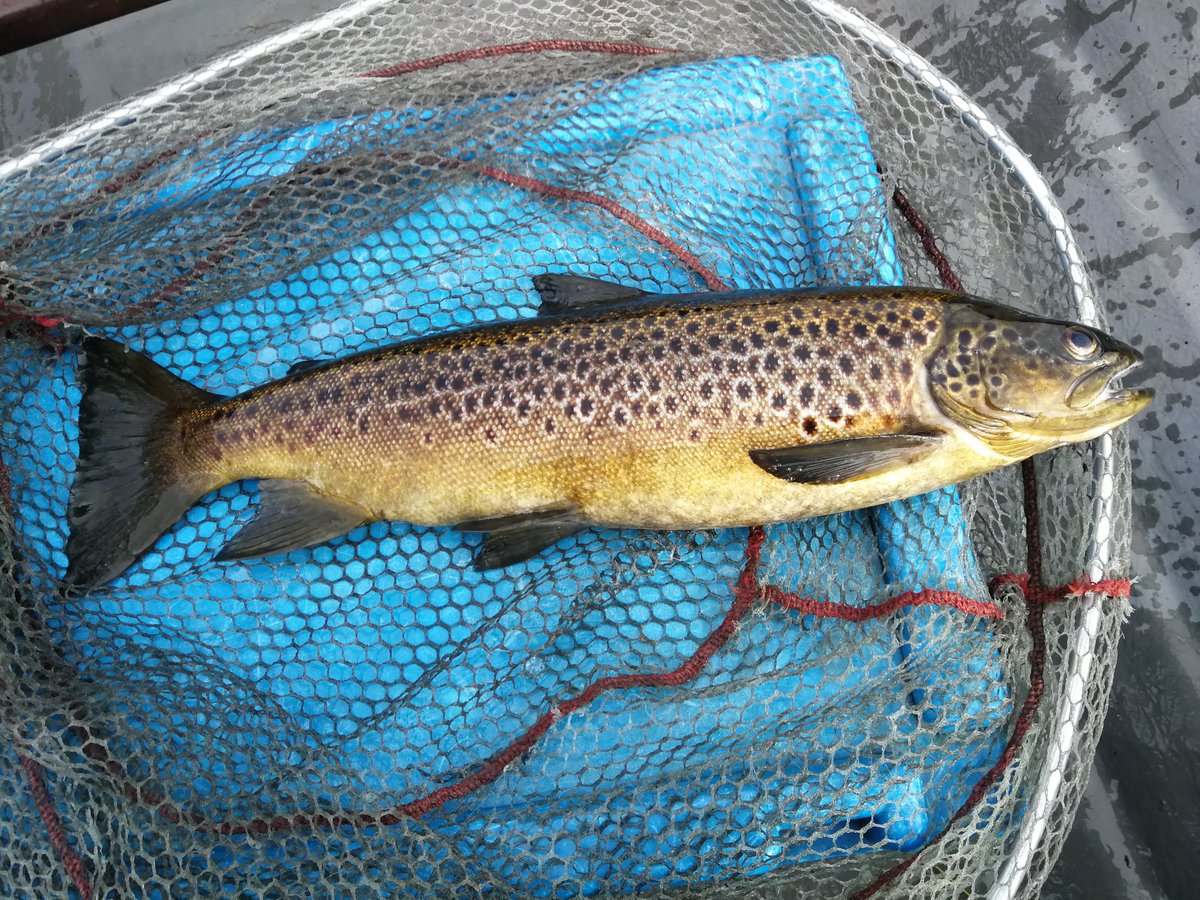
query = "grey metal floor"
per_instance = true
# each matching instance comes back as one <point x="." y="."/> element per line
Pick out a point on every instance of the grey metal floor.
<point x="1105" y="97"/>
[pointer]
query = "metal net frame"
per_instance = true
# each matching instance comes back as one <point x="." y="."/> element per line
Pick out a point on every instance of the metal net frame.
<point x="641" y="713"/>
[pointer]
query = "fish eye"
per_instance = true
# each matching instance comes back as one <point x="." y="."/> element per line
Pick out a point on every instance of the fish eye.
<point x="1080" y="342"/>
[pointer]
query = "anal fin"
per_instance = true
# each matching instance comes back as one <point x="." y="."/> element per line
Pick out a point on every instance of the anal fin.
<point x="291" y="515"/>
<point x="836" y="462"/>
<point x="516" y="538"/>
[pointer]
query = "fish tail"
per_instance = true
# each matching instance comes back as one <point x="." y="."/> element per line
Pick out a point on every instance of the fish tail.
<point x="132" y="482"/>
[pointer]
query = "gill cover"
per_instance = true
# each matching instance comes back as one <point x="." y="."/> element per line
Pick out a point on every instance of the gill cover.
<point x="1024" y="384"/>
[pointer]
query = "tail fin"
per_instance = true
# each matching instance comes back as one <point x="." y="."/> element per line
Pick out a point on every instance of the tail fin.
<point x="131" y="482"/>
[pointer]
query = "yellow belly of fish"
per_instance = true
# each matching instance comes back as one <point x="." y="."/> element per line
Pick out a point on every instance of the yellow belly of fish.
<point x="714" y="484"/>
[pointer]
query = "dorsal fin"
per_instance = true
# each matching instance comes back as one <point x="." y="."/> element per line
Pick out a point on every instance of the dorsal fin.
<point x="570" y="293"/>
<point x="304" y="365"/>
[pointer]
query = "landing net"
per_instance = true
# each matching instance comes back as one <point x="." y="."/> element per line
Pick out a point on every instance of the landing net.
<point x="886" y="702"/>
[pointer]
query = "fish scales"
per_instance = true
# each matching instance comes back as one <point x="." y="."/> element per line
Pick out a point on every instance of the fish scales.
<point x="616" y="411"/>
<point x="701" y="411"/>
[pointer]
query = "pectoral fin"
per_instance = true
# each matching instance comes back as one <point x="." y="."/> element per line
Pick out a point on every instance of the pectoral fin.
<point x="567" y="293"/>
<point x="291" y="515"/>
<point x="835" y="462"/>
<point x="514" y="539"/>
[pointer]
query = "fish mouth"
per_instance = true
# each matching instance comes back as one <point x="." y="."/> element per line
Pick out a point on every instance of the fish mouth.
<point x="1096" y="387"/>
<point x="1098" y="403"/>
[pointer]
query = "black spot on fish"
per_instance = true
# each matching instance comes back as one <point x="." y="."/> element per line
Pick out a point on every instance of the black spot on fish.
<point x="743" y="391"/>
<point x="441" y="382"/>
<point x="779" y="401"/>
<point x="918" y="312"/>
<point x="906" y="368"/>
<point x="853" y="400"/>
<point x="770" y="362"/>
<point x="737" y="346"/>
<point x="825" y="376"/>
<point x="988" y="343"/>
<point x="846" y="364"/>
<point x="794" y="331"/>
<point x="807" y="394"/>
<point x="882" y="331"/>
<point x="997" y="381"/>
<point x="801" y="353"/>
<point x="771" y="326"/>
<point x="619" y="416"/>
<point x="972" y="379"/>
<point x="859" y="330"/>
<point x="789" y="376"/>
<point x="757" y="341"/>
<point x="875" y="372"/>
<point x="550" y="426"/>
<point x="896" y="341"/>
<point x="691" y="328"/>
<point x="694" y="436"/>
<point x="1010" y="334"/>
<point x="671" y="404"/>
<point x="952" y="370"/>
<point x="560" y="391"/>
<point x="814" y="330"/>
<point x="964" y="338"/>
<point x="835" y="413"/>
<point x="810" y="425"/>
<point x="714" y="342"/>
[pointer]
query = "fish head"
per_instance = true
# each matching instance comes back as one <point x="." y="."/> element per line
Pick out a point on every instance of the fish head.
<point x="1024" y="384"/>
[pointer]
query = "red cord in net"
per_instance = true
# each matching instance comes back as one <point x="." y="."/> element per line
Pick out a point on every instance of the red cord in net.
<point x="54" y="827"/>
<point x="547" y="46"/>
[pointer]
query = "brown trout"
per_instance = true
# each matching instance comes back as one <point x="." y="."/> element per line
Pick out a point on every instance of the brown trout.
<point x="612" y="407"/>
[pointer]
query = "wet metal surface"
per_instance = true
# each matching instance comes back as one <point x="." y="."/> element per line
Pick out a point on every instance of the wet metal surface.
<point x="1105" y="97"/>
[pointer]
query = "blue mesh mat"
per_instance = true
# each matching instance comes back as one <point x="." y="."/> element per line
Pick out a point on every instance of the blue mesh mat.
<point x="379" y="667"/>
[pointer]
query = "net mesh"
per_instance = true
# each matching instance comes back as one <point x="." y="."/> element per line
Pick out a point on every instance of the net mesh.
<point x="793" y="711"/>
